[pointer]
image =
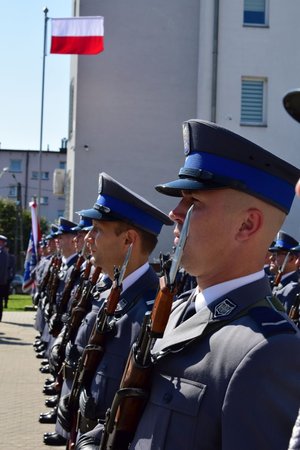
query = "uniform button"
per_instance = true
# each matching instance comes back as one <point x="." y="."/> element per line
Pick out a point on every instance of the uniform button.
<point x="167" y="397"/>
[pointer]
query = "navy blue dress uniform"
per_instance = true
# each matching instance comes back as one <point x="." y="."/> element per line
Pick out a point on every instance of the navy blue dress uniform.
<point x="291" y="102"/>
<point x="116" y="203"/>
<point x="288" y="287"/>
<point x="226" y="378"/>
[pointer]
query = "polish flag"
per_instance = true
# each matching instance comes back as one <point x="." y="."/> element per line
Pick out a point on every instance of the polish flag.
<point x="77" y="35"/>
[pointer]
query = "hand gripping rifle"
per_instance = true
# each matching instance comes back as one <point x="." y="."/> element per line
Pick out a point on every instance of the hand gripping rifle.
<point x="281" y="270"/>
<point x="127" y="407"/>
<point x="56" y="323"/>
<point x="95" y="348"/>
<point x="294" y="311"/>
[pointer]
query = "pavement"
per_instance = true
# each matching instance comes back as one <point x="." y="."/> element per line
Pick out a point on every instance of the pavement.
<point x="21" y="385"/>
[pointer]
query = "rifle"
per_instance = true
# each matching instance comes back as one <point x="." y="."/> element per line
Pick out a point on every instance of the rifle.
<point x="294" y="311"/>
<point x="53" y="284"/>
<point x="56" y="324"/>
<point x="281" y="270"/>
<point x="41" y="290"/>
<point x="95" y="348"/>
<point x="78" y="312"/>
<point x="129" y="402"/>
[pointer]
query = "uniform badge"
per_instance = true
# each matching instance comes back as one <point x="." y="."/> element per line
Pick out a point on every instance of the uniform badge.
<point x="186" y="138"/>
<point x="224" y="308"/>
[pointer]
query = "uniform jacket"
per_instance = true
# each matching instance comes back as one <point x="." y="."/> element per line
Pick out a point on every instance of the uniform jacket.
<point x="132" y="306"/>
<point x="287" y="290"/>
<point x="235" y="388"/>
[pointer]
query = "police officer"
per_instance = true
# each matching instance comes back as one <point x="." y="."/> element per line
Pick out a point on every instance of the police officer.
<point x="284" y="259"/>
<point x="125" y="225"/>
<point x="217" y="383"/>
<point x="291" y="102"/>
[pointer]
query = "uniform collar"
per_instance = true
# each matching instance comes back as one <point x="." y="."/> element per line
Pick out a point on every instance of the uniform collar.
<point x="209" y="295"/>
<point x="134" y="276"/>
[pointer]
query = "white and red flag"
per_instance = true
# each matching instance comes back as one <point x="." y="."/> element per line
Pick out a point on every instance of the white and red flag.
<point x="31" y="258"/>
<point x="77" y="35"/>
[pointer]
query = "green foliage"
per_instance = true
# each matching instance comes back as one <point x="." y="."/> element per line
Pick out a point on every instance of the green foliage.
<point x="9" y="223"/>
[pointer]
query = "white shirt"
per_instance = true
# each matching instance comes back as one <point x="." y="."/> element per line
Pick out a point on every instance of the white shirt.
<point x="206" y="297"/>
<point x="132" y="277"/>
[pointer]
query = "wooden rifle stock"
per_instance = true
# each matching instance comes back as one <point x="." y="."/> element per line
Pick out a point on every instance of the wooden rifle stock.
<point x="57" y="324"/>
<point x="91" y="357"/>
<point x="294" y="311"/>
<point x="123" y="417"/>
<point x="54" y="282"/>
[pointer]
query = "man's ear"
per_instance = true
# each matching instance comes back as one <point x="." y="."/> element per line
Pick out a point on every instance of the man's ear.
<point x="251" y="223"/>
<point x="130" y="236"/>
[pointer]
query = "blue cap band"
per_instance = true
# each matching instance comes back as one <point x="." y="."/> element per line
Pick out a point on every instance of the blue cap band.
<point x="130" y="212"/>
<point x="258" y="182"/>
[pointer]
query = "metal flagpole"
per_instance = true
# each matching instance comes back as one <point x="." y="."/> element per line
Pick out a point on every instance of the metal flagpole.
<point x="45" y="10"/>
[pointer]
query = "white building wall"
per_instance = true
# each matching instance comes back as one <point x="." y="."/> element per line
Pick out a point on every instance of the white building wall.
<point x="156" y="72"/>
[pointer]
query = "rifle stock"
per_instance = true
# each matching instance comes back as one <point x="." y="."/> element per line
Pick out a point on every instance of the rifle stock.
<point x="92" y="354"/>
<point x="57" y="324"/>
<point x="129" y="401"/>
<point x="294" y="311"/>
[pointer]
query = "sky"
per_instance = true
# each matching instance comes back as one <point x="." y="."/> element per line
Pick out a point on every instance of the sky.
<point x="21" y="62"/>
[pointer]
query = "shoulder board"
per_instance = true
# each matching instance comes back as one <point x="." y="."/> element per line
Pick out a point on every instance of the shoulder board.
<point x="271" y="321"/>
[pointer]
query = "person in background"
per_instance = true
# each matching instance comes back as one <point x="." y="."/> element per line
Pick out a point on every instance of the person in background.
<point x="11" y="274"/>
<point x="4" y="276"/>
<point x="291" y="102"/>
<point x="284" y="262"/>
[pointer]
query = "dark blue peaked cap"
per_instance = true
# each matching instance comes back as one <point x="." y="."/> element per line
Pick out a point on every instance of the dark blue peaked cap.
<point x="117" y="202"/>
<point x="218" y="158"/>
<point x="53" y="231"/>
<point x="65" y="226"/>
<point x="291" y="102"/>
<point x="284" y="242"/>
<point x="85" y="224"/>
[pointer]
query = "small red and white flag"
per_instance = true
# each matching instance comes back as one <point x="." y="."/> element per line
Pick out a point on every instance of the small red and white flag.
<point x="77" y="35"/>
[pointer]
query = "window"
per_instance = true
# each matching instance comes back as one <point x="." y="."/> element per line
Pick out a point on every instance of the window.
<point x="12" y="191"/>
<point x="60" y="212"/>
<point x="253" y="101"/>
<point x="45" y="175"/>
<point x="44" y="200"/>
<point x="15" y="165"/>
<point x="35" y="175"/>
<point x="255" y="12"/>
<point x="62" y="164"/>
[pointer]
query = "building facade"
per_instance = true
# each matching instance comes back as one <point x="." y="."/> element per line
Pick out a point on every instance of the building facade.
<point x="228" y="61"/>
<point x="19" y="179"/>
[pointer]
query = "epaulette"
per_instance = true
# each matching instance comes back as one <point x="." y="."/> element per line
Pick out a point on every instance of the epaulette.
<point x="271" y="321"/>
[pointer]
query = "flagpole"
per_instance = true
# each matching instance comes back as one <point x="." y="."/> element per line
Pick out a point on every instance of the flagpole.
<point x="45" y="10"/>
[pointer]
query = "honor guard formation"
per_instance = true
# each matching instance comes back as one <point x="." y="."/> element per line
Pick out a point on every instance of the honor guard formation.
<point x="198" y="353"/>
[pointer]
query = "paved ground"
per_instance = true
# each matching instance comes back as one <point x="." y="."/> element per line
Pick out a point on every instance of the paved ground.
<point x="21" y="384"/>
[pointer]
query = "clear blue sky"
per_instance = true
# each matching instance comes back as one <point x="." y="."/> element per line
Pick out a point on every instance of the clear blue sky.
<point x="21" y="59"/>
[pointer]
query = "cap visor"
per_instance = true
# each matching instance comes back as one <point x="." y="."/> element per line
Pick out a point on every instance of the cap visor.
<point x="291" y="102"/>
<point x="90" y="214"/>
<point x="175" y="188"/>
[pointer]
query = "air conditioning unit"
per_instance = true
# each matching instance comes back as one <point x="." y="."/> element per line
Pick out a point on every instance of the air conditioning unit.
<point x="59" y="181"/>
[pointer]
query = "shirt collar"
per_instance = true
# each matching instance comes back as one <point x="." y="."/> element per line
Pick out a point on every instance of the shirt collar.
<point x="134" y="276"/>
<point x="206" y="297"/>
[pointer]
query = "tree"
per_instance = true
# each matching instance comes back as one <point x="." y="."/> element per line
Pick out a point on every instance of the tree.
<point x="9" y="226"/>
